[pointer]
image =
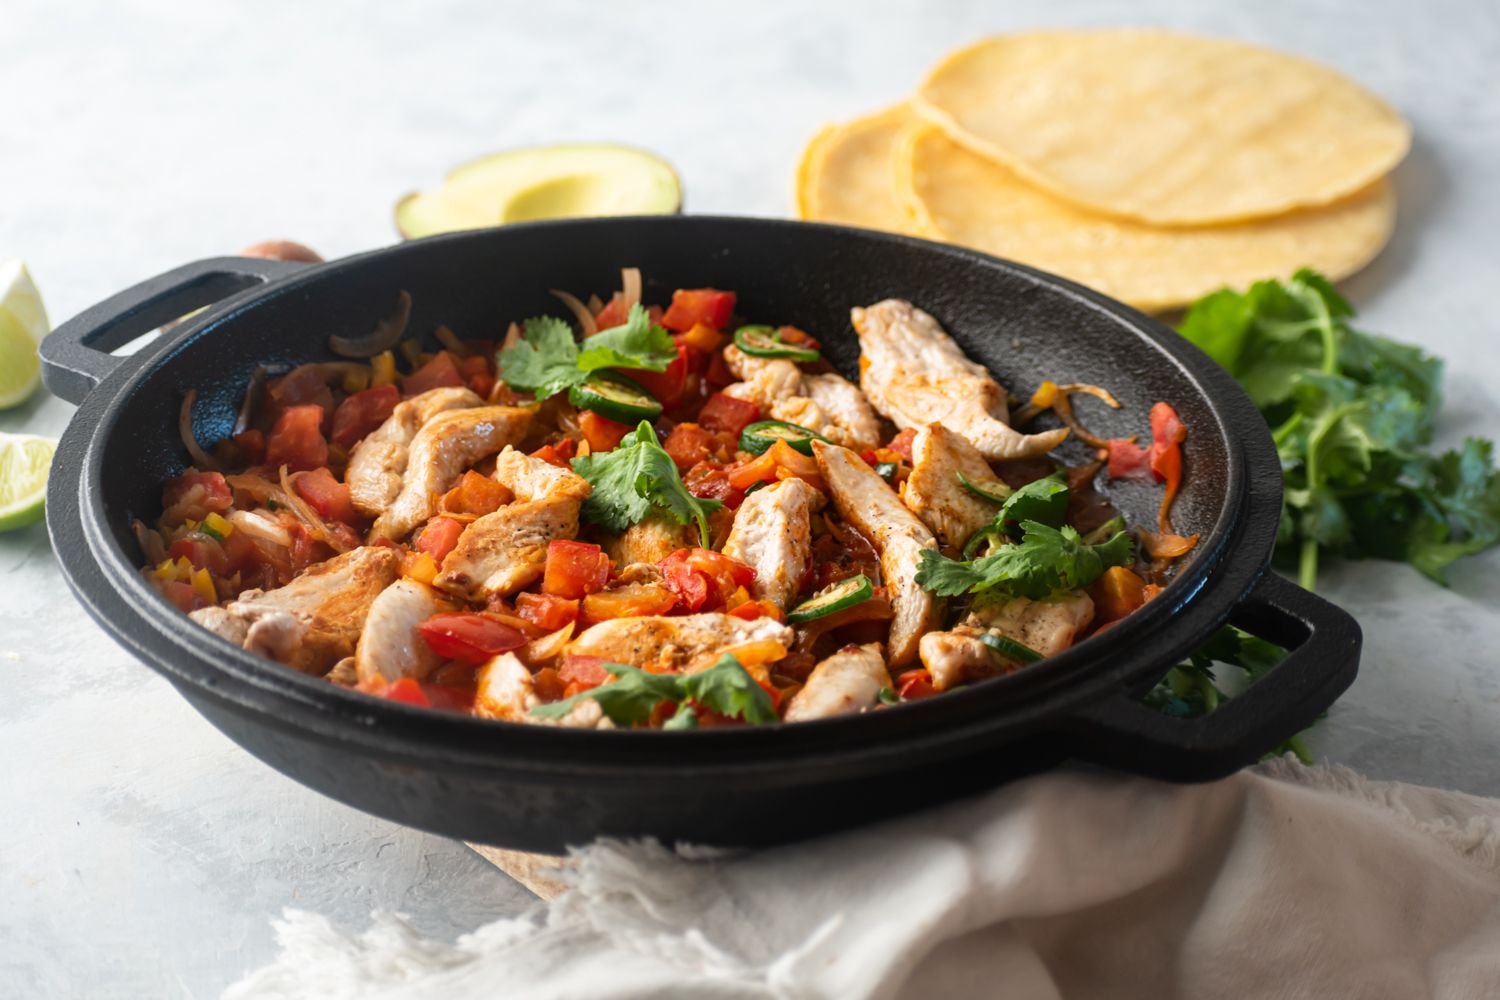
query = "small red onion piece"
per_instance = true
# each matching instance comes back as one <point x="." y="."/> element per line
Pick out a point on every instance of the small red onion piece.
<point x="579" y="310"/>
<point x="385" y="335"/>
<point x="201" y="458"/>
<point x="630" y="286"/>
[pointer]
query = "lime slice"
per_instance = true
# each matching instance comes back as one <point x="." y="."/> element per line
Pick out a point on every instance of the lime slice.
<point x="23" y="324"/>
<point x="24" y="460"/>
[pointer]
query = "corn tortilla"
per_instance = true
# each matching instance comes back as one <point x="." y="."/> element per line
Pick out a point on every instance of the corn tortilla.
<point x="847" y="174"/>
<point x="964" y="198"/>
<point x="1164" y="127"/>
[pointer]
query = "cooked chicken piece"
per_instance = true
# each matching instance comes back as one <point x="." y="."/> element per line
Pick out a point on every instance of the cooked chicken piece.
<point x="503" y="690"/>
<point x="390" y="647"/>
<point x="915" y="374"/>
<point x="375" y="467"/>
<point x="313" y="621"/>
<point x="444" y="447"/>
<point x="826" y="404"/>
<point x="772" y="533"/>
<point x="504" y="551"/>
<point x="868" y="502"/>
<point x="847" y="682"/>
<point x="1049" y="627"/>
<point x="648" y="541"/>
<point x="934" y="493"/>
<point x="344" y="673"/>
<point x="679" y="643"/>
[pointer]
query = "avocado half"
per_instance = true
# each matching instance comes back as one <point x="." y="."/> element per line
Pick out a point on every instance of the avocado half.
<point x="543" y="182"/>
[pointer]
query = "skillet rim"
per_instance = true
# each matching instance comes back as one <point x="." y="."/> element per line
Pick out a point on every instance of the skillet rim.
<point x="1201" y="597"/>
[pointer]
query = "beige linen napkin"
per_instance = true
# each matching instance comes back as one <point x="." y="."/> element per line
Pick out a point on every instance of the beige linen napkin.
<point x="1281" y="881"/>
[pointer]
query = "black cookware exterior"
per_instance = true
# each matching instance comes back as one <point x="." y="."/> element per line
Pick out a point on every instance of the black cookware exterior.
<point x="540" y="788"/>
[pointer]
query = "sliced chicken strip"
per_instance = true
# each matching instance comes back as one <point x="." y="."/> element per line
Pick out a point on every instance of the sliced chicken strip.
<point x="315" y="620"/>
<point x="933" y="491"/>
<point x="772" y="533"/>
<point x="375" y="467"/>
<point x="390" y="647"/>
<point x="1048" y="626"/>
<point x="847" y="682"/>
<point x="679" y="643"/>
<point x="444" y="447"/>
<point x="867" y="501"/>
<point x="503" y="690"/>
<point x="648" y="541"/>
<point x="504" y="551"/>
<point x="826" y="404"/>
<point x="915" y="374"/>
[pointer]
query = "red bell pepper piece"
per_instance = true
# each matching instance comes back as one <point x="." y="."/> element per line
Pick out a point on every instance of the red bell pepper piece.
<point x="574" y="569"/>
<point x="440" y="372"/>
<point x="690" y="307"/>
<point x="728" y="414"/>
<point x="297" y="439"/>
<point x="468" y="637"/>
<point x="546" y="611"/>
<point x="601" y="433"/>
<point x="361" y="413"/>
<point x="326" y="495"/>
<point x="439" y="538"/>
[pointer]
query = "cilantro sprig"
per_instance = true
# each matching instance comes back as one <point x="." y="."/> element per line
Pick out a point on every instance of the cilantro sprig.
<point x="548" y="360"/>
<point x="1352" y="415"/>
<point x="726" y="688"/>
<point x="635" y="479"/>
<point x="1045" y="560"/>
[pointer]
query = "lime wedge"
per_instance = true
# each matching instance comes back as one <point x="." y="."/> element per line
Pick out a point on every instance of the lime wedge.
<point x="24" y="460"/>
<point x="23" y="324"/>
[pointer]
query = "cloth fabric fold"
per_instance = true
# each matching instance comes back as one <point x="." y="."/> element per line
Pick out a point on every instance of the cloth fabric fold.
<point x="1281" y="881"/>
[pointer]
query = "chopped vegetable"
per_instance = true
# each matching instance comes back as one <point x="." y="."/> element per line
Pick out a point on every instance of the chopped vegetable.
<point x="725" y="688"/>
<point x="637" y="477"/>
<point x="690" y="307"/>
<point x="614" y="397"/>
<point x="439" y="537"/>
<point x="764" y="342"/>
<point x="832" y="599"/>
<point x="547" y="360"/>
<point x="469" y="638"/>
<point x="1046" y="560"/>
<point x="759" y="436"/>
<point x="441" y="372"/>
<point x="728" y="414"/>
<point x="361" y="413"/>
<point x="1009" y="648"/>
<point x="297" y="439"/>
<point x="995" y="492"/>
<point x="574" y="569"/>
<point x="601" y="433"/>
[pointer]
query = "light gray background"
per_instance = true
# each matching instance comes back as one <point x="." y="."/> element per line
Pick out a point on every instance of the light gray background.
<point x="141" y="854"/>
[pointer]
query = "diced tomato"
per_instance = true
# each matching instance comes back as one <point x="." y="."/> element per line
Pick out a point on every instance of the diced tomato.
<point x="449" y="698"/>
<point x="719" y="374"/>
<point x="469" y="637"/>
<point x="182" y="595"/>
<point x="547" y="612"/>
<point x="439" y="537"/>
<point x="574" y="569"/>
<point x="585" y="671"/>
<point x="1127" y="460"/>
<point x="690" y="586"/>
<point x="474" y="364"/>
<point x="559" y="454"/>
<point x="482" y="385"/>
<point x="690" y="307"/>
<point x="1167" y="434"/>
<point x="438" y="373"/>
<point x="200" y="550"/>
<point x="709" y="481"/>
<point x="628" y="601"/>
<point x="252" y="446"/>
<point x="688" y="444"/>
<point x="326" y="495"/>
<point x="751" y="610"/>
<point x="474" y="494"/>
<point x="297" y="439"/>
<point x="728" y="414"/>
<point x="548" y="685"/>
<point x="915" y="684"/>
<point x="601" y="433"/>
<point x="361" y="413"/>
<point x="901" y="443"/>
<point x="197" y="493"/>
<point x="613" y="314"/>
<point x="665" y="386"/>
<point x="704" y="578"/>
<point x="305" y="385"/>
<point x="408" y="691"/>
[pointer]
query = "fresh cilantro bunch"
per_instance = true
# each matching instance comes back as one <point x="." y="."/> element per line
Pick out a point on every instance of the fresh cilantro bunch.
<point x="1351" y="414"/>
<point x="634" y="479"/>
<point x="1045" y="560"/>
<point x="726" y="688"/>
<point x="548" y="360"/>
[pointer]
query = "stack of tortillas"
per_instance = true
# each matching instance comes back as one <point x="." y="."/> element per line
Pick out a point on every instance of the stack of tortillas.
<point x="1154" y="166"/>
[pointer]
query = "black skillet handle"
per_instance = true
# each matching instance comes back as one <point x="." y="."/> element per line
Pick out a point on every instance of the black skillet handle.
<point x="75" y="356"/>
<point x="1323" y="644"/>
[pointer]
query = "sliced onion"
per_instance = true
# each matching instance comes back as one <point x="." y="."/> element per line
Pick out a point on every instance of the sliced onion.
<point x="595" y="303"/>
<point x="1098" y="392"/>
<point x="548" y="647"/>
<point x="201" y="458"/>
<point x="260" y="528"/>
<point x="150" y="542"/>
<point x="1064" y="410"/>
<point x="307" y="515"/>
<point x="450" y="340"/>
<point x="512" y="337"/>
<point x="260" y="490"/>
<point x="1164" y="545"/>
<point x="630" y="286"/>
<point x="331" y="370"/>
<point x="252" y="396"/>
<point x="385" y="335"/>
<point x="579" y="310"/>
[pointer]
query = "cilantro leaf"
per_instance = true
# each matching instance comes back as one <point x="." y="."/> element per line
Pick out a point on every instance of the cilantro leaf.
<point x="1046" y="560"/>
<point x="634" y="479"/>
<point x="637" y="343"/>
<point x="544" y="361"/>
<point x="727" y="688"/>
<point x="1045" y="500"/>
<point x="628" y="700"/>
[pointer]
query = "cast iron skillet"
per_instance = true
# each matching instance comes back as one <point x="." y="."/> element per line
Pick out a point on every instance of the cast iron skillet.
<point x="540" y="788"/>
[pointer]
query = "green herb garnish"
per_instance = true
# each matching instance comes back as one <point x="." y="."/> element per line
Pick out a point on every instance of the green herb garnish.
<point x="636" y="478"/>
<point x="548" y="359"/>
<point x="1045" y="561"/>
<point x="726" y="688"/>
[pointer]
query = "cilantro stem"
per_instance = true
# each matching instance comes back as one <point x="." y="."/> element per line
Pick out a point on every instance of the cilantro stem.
<point x="1325" y="330"/>
<point x="1286" y="430"/>
<point x="1296" y="746"/>
<point x="1307" y="564"/>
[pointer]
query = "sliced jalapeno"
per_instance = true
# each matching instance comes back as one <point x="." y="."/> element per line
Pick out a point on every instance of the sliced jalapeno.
<point x="765" y="342"/>
<point x="759" y="436"/>
<point x="615" y="397"/>
<point x="1010" y="648"/>
<point x="835" y="597"/>
<point x="996" y="492"/>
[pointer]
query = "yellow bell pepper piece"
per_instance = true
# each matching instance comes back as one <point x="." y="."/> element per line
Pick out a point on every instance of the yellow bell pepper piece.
<point x="219" y="525"/>
<point x="383" y="369"/>
<point x="204" y="585"/>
